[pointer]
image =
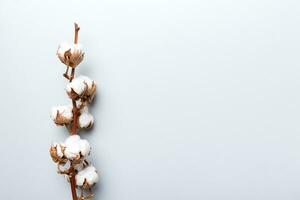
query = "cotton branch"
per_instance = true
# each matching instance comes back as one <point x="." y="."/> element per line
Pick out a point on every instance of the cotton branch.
<point x="75" y="122"/>
<point x="74" y="151"/>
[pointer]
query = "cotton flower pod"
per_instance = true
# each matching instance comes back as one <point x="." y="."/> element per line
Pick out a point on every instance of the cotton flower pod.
<point x="62" y="115"/>
<point x="70" y="55"/>
<point x="87" y="177"/>
<point x="76" y="149"/>
<point x="85" y="120"/>
<point x="57" y="153"/>
<point x="82" y="87"/>
<point x="77" y="88"/>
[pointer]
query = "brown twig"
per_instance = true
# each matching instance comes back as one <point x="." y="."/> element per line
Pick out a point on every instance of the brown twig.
<point x="74" y="128"/>
<point x="77" y="28"/>
<point x="73" y="183"/>
<point x="72" y="75"/>
<point x="66" y="73"/>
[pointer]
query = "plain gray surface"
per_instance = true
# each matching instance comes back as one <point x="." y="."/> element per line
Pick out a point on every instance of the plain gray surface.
<point x="196" y="100"/>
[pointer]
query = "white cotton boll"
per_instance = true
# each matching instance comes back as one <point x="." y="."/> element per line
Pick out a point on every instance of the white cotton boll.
<point x="77" y="85"/>
<point x="87" y="177"/>
<point x="56" y="153"/>
<point x="84" y="147"/>
<point x="66" y="111"/>
<point x="87" y="80"/>
<point x="62" y="114"/>
<point x="72" y="139"/>
<point x="91" y="89"/>
<point x="86" y="120"/>
<point x="72" y="149"/>
<point x="58" y="150"/>
<point x="70" y="54"/>
<point x="76" y="147"/>
<point x="82" y="87"/>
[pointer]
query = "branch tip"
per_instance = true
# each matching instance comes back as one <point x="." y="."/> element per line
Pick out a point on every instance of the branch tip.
<point x="77" y="28"/>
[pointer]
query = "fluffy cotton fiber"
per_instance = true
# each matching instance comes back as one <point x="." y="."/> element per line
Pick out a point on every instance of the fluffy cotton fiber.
<point x="62" y="114"/>
<point x="70" y="54"/>
<point x="87" y="177"/>
<point x="86" y="120"/>
<point x="77" y="85"/>
<point x="82" y="86"/>
<point x="76" y="147"/>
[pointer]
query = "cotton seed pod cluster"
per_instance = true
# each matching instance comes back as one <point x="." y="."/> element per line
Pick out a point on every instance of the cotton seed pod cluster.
<point x="82" y="88"/>
<point x="70" y="54"/>
<point x="63" y="115"/>
<point x="75" y="150"/>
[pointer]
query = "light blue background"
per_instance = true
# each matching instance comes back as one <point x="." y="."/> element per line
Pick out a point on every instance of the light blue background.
<point x="197" y="99"/>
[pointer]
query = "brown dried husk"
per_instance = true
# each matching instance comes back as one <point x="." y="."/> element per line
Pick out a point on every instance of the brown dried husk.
<point x="72" y="59"/>
<point x="61" y="120"/>
<point x="55" y="157"/>
<point x="87" y="95"/>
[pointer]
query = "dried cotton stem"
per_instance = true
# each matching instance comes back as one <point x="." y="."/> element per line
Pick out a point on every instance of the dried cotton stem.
<point x="70" y="156"/>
